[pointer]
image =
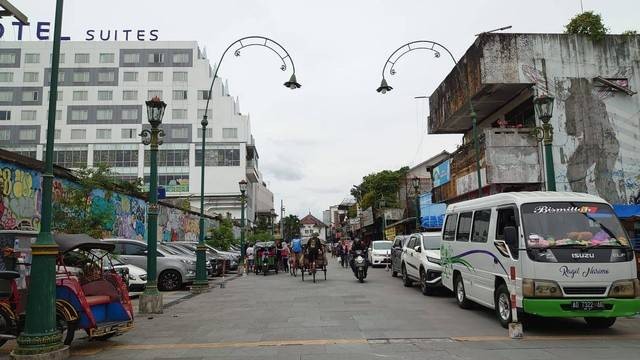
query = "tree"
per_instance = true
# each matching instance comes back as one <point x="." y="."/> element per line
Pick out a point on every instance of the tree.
<point x="291" y="227"/>
<point x="259" y="236"/>
<point x="222" y="236"/>
<point x="384" y="184"/>
<point x="630" y="33"/>
<point x="81" y="209"/>
<point x="588" y="23"/>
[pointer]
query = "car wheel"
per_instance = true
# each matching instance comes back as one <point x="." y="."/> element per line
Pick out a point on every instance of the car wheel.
<point x="394" y="273"/>
<point x="169" y="280"/>
<point x="405" y="278"/>
<point x="599" y="322"/>
<point x="424" y="287"/>
<point x="503" y="305"/>
<point x="461" y="295"/>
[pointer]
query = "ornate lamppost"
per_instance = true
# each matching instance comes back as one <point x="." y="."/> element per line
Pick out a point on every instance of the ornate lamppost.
<point x="245" y="42"/>
<point x="272" y="213"/>
<point x="41" y="338"/>
<point x="151" y="298"/>
<point x="544" y="108"/>
<point x="243" y="250"/>
<point x="416" y="187"/>
<point x="437" y="49"/>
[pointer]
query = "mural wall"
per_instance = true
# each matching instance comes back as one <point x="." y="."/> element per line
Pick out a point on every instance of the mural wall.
<point x="20" y="199"/>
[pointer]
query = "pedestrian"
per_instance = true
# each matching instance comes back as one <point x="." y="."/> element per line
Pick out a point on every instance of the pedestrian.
<point x="250" y="257"/>
<point x="284" y="254"/>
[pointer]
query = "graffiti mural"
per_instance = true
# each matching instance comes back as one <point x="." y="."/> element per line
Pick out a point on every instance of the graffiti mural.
<point x="176" y="225"/>
<point x="129" y="214"/>
<point x="19" y="198"/>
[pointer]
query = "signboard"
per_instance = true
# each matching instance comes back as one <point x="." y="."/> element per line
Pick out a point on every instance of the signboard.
<point x="390" y="233"/>
<point x="442" y="173"/>
<point x="431" y="215"/>
<point x="43" y="30"/>
<point x="367" y="217"/>
<point x="393" y="214"/>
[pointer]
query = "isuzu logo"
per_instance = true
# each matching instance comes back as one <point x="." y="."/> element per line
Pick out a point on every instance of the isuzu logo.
<point x="583" y="255"/>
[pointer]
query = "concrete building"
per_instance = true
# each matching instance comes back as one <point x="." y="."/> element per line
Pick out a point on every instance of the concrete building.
<point x="100" y="112"/>
<point x="310" y="224"/>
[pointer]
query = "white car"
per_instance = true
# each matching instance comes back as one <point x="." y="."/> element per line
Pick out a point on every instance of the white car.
<point x="379" y="254"/>
<point x="137" y="276"/>
<point x="421" y="261"/>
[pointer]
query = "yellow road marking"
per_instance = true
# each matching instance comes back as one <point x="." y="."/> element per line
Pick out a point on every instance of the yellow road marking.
<point x="239" y="344"/>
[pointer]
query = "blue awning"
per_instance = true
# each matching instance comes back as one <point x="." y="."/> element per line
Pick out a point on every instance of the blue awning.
<point x="626" y="211"/>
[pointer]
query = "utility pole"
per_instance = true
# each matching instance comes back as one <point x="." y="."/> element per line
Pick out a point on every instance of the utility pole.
<point x="282" y="220"/>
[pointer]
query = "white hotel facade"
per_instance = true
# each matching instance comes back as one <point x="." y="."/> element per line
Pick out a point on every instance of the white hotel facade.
<point x="100" y="112"/>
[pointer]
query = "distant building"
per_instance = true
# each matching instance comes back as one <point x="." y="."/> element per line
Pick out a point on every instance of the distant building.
<point x="310" y="224"/>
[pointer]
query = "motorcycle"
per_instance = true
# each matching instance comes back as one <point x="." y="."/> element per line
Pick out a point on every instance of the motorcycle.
<point x="360" y="265"/>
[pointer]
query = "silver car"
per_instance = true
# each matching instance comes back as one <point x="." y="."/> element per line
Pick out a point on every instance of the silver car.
<point x="173" y="270"/>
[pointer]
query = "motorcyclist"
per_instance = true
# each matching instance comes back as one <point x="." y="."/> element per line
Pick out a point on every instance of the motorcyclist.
<point x="312" y="249"/>
<point x="358" y="245"/>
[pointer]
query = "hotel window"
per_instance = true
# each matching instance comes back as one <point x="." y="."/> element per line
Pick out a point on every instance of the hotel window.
<point x="204" y="95"/>
<point x="69" y="158"/>
<point x="5" y="115"/>
<point x="128" y="133"/>
<point x="58" y="115"/>
<point x="57" y="134"/>
<point x="107" y="58"/>
<point x="6" y="96"/>
<point x="129" y="114"/>
<point x="153" y="93"/>
<point x="155" y="75"/>
<point x="130" y="76"/>
<point x="61" y="58"/>
<point x="180" y="133"/>
<point x="6" y="77"/>
<point x="7" y="58"/>
<point x="229" y="133"/>
<point x="79" y="115"/>
<point x="104" y="115"/>
<point x="78" y="134"/>
<point x="180" y="76"/>
<point x="116" y="158"/>
<point x="81" y="76"/>
<point x="201" y="113"/>
<point x="30" y="95"/>
<point x="82" y="58"/>
<point x="156" y="58"/>
<point x="103" y="134"/>
<point x="27" y="134"/>
<point x="179" y="94"/>
<point x="5" y="135"/>
<point x="31" y="58"/>
<point x="209" y="133"/>
<point x="181" y="58"/>
<point x="80" y="95"/>
<point x="28" y="115"/>
<point x="106" y="76"/>
<point x="60" y="76"/>
<point x="170" y="157"/>
<point x="105" y="95"/>
<point x="30" y="77"/>
<point x="179" y="114"/>
<point x="59" y="95"/>
<point x="131" y="58"/>
<point x="219" y="157"/>
<point x="130" y="95"/>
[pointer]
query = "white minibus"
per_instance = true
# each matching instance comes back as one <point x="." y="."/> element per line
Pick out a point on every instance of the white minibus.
<point x="572" y="257"/>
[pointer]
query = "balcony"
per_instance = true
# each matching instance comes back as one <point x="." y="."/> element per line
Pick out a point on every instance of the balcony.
<point x="509" y="160"/>
<point x="252" y="170"/>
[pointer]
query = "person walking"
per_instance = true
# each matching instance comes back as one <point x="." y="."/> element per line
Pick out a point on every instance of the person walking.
<point x="284" y="256"/>
<point x="250" y="257"/>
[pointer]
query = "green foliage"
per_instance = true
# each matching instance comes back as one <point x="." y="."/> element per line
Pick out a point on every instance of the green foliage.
<point x="78" y="212"/>
<point x="352" y="211"/>
<point x="588" y="23"/>
<point x="263" y="223"/>
<point x="222" y="236"/>
<point x="383" y="184"/>
<point x="291" y="227"/>
<point x="259" y="236"/>
<point x="630" y="33"/>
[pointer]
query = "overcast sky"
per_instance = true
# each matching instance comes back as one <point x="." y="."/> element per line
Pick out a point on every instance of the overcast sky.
<point x="316" y="142"/>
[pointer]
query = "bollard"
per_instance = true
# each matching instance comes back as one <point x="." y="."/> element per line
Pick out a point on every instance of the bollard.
<point x="224" y="273"/>
<point x="515" y="327"/>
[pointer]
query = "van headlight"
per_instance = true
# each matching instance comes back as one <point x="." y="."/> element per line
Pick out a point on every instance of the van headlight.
<point x="540" y="288"/>
<point x="625" y="289"/>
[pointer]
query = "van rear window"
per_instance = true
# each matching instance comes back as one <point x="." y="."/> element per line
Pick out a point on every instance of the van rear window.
<point x="450" y="227"/>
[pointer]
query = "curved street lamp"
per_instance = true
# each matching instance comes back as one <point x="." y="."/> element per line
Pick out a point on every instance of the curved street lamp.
<point x="437" y="50"/>
<point x="201" y="283"/>
<point x="416" y="187"/>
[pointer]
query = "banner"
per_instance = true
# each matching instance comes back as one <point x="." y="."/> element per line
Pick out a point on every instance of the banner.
<point x="442" y="173"/>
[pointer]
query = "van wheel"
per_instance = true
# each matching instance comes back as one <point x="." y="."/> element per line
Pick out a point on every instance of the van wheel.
<point x="461" y="295"/>
<point x="503" y="305"/>
<point x="405" y="278"/>
<point x="424" y="287"/>
<point x="169" y="280"/>
<point x="600" y="322"/>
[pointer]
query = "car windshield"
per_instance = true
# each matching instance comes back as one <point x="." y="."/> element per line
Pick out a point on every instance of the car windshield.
<point x="382" y="245"/>
<point x="431" y="241"/>
<point x="572" y="224"/>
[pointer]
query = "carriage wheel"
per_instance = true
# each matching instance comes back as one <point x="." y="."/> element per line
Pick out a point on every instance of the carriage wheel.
<point x="314" y="275"/>
<point x="302" y="273"/>
<point x="325" y="272"/>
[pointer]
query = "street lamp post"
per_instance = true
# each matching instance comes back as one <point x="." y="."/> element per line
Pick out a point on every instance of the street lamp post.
<point x="544" y="108"/>
<point x="151" y="298"/>
<point x="416" y="188"/>
<point x="41" y="337"/>
<point x="243" y="190"/>
<point x="436" y="48"/>
<point x="381" y="205"/>
<point x="272" y="212"/>
<point x="292" y="83"/>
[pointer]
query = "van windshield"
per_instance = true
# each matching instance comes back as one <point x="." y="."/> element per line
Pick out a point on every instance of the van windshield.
<point x="572" y="224"/>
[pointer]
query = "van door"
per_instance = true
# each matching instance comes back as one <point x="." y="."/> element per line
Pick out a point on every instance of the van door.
<point x="485" y="266"/>
<point x="507" y="254"/>
<point x="462" y="243"/>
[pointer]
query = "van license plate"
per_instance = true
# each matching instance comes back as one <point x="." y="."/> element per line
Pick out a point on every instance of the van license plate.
<point x="587" y="305"/>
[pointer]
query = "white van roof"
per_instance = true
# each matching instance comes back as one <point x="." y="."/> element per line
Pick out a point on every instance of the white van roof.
<point x="523" y="197"/>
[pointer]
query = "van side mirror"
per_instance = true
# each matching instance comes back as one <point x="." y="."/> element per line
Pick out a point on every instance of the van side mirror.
<point x="511" y="236"/>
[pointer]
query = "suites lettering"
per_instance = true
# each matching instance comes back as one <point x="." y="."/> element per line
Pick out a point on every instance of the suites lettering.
<point x="43" y="31"/>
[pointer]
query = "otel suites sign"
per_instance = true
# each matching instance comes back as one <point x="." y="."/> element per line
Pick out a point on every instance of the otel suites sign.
<point x="43" y="30"/>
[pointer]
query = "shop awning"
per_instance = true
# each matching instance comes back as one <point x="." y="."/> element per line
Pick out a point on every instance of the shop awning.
<point x="625" y="211"/>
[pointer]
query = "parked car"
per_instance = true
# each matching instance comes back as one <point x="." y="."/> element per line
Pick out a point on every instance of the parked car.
<point x="136" y="277"/>
<point x="396" y="254"/>
<point x="173" y="270"/>
<point x="214" y="261"/>
<point x="379" y="253"/>
<point x="421" y="261"/>
<point x="178" y="250"/>
<point x="233" y="259"/>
